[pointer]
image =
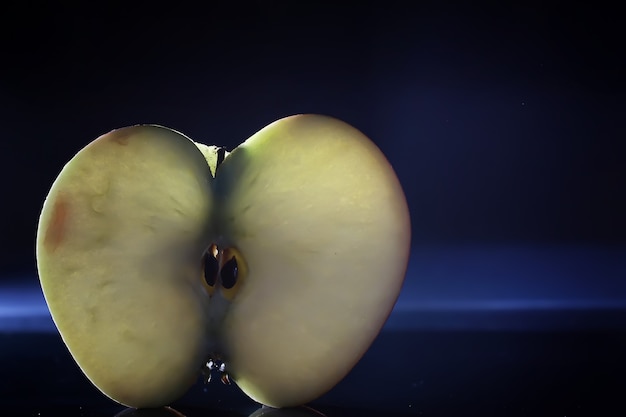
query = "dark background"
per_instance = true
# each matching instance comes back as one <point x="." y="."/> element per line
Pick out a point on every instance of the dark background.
<point x="505" y="122"/>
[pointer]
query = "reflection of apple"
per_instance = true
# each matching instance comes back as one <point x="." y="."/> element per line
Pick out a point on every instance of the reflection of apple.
<point x="261" y="412"/>
<point x="286" y="412"/>
<point x="280" y="260"/>
<point x="149" y="412"/>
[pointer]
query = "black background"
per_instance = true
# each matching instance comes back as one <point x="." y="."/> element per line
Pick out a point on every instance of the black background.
<point x="504" y="122"/>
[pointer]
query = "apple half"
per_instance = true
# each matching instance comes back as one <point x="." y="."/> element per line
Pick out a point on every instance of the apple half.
<point x="279" y="261"/>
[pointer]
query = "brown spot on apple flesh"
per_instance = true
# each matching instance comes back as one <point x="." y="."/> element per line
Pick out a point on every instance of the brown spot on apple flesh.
<point x="120" y="136"/>
<point x="56" y="228"/>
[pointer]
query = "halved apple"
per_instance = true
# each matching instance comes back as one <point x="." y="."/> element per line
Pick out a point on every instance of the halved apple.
<point x="279" y="261"/>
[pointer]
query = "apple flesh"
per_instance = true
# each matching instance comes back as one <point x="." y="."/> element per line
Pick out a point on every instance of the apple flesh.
<point x="307" y="226"/>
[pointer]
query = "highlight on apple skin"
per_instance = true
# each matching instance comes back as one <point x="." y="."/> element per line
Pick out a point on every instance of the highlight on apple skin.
<point x="277" y="263"/>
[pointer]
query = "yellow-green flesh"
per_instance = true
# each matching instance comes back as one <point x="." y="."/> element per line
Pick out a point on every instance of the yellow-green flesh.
<point x="323" y="223"/>
<point x="310" y="203"/>
<point x="118" y="245"/>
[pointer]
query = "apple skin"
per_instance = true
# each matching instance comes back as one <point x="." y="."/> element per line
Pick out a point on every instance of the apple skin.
<point x="310" y="206"/>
